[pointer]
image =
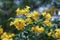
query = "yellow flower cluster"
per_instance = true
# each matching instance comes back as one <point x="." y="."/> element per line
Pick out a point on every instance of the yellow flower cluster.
<point x="37" y="29"/>
<point x="57" y="34"/>
<point x="33" y="15"/>
<point x="47" y="18"/>
<point x="25" y="11"/>
<point x="30" y="22"/>
<point x="19" y="23"/>
<point x="51" y="34"/>
<point x="32" y="18"/>
<point x="7" y="36"/>
<point x="46" y="15"/>
<point x="22" y="11"/>
<point x="47" y="22"/>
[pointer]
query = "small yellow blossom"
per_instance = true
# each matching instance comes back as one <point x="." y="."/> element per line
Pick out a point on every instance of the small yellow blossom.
<point x="28" y="15"/>
<point x="43" y="13"/>
<point x="12" y="23"/>
<point x="27" y="7"/>
<point x="7" y="39"/>
<point x="11" y="39"/>
<point x="28" y="20"/>
<point x="57" y="34"/>
<point x="48" y="16"/>
<point x="37" y="29"/>
<point x="7" y="36"/>
<point x="4" y="35"/>
<point x="50" y="33"/>
<point x="53" y="35"/>
<point x="47" y="22"/>
<point x="19" y="23"/>
<point x="19" y="19"/>
<point x="18" y="11"/>
<point x="35" y="15"/>
<point x="57" y="29"/>
<point x="33" y="28"/>
<point x="22" y="11"/>
<point x="41" y="29"/>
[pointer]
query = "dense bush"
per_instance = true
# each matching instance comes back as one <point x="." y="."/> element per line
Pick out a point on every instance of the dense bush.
<point x="29" y="26"/>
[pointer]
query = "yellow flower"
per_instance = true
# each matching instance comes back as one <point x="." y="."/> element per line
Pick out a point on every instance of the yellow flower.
<point x="47" y="22"/>
<point x="10" y="35"/>
<point x="4" y="35"/>
<point x="28" y="20"/>
<point x="1" y="30"/>
<point x="41" y="29"/>
<point x="27" y="7"/>
<point x="35" y="15"/>
<point x="7" y="36"/>
<point x="28" y="15"/>
<point x="37" y="29"/>
<point x="18" y="11"/>
<point x="5" y="39"/>
<point x="48" y="16"/>
<point x="11" y="39"/>
<point x="24" y="11"/>
<point x="12" y="23"/>
<point x="43" y="13"/>
<point x="19" y="23"/>
<point x="50" y="33"/>
<point x="57" y="29"/>
<point x="20" y="26"/>
<point x="19" y="20"/>
<point x="33" y="28"/>
<point x="57" y="34"/>
<point x="53" y="35"/>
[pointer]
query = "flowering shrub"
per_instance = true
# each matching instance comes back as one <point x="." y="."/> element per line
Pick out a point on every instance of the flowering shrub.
<point x="32" y="26"/>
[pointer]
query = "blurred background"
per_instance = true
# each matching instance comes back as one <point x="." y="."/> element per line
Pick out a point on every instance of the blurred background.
<point x="8" y="8"/>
